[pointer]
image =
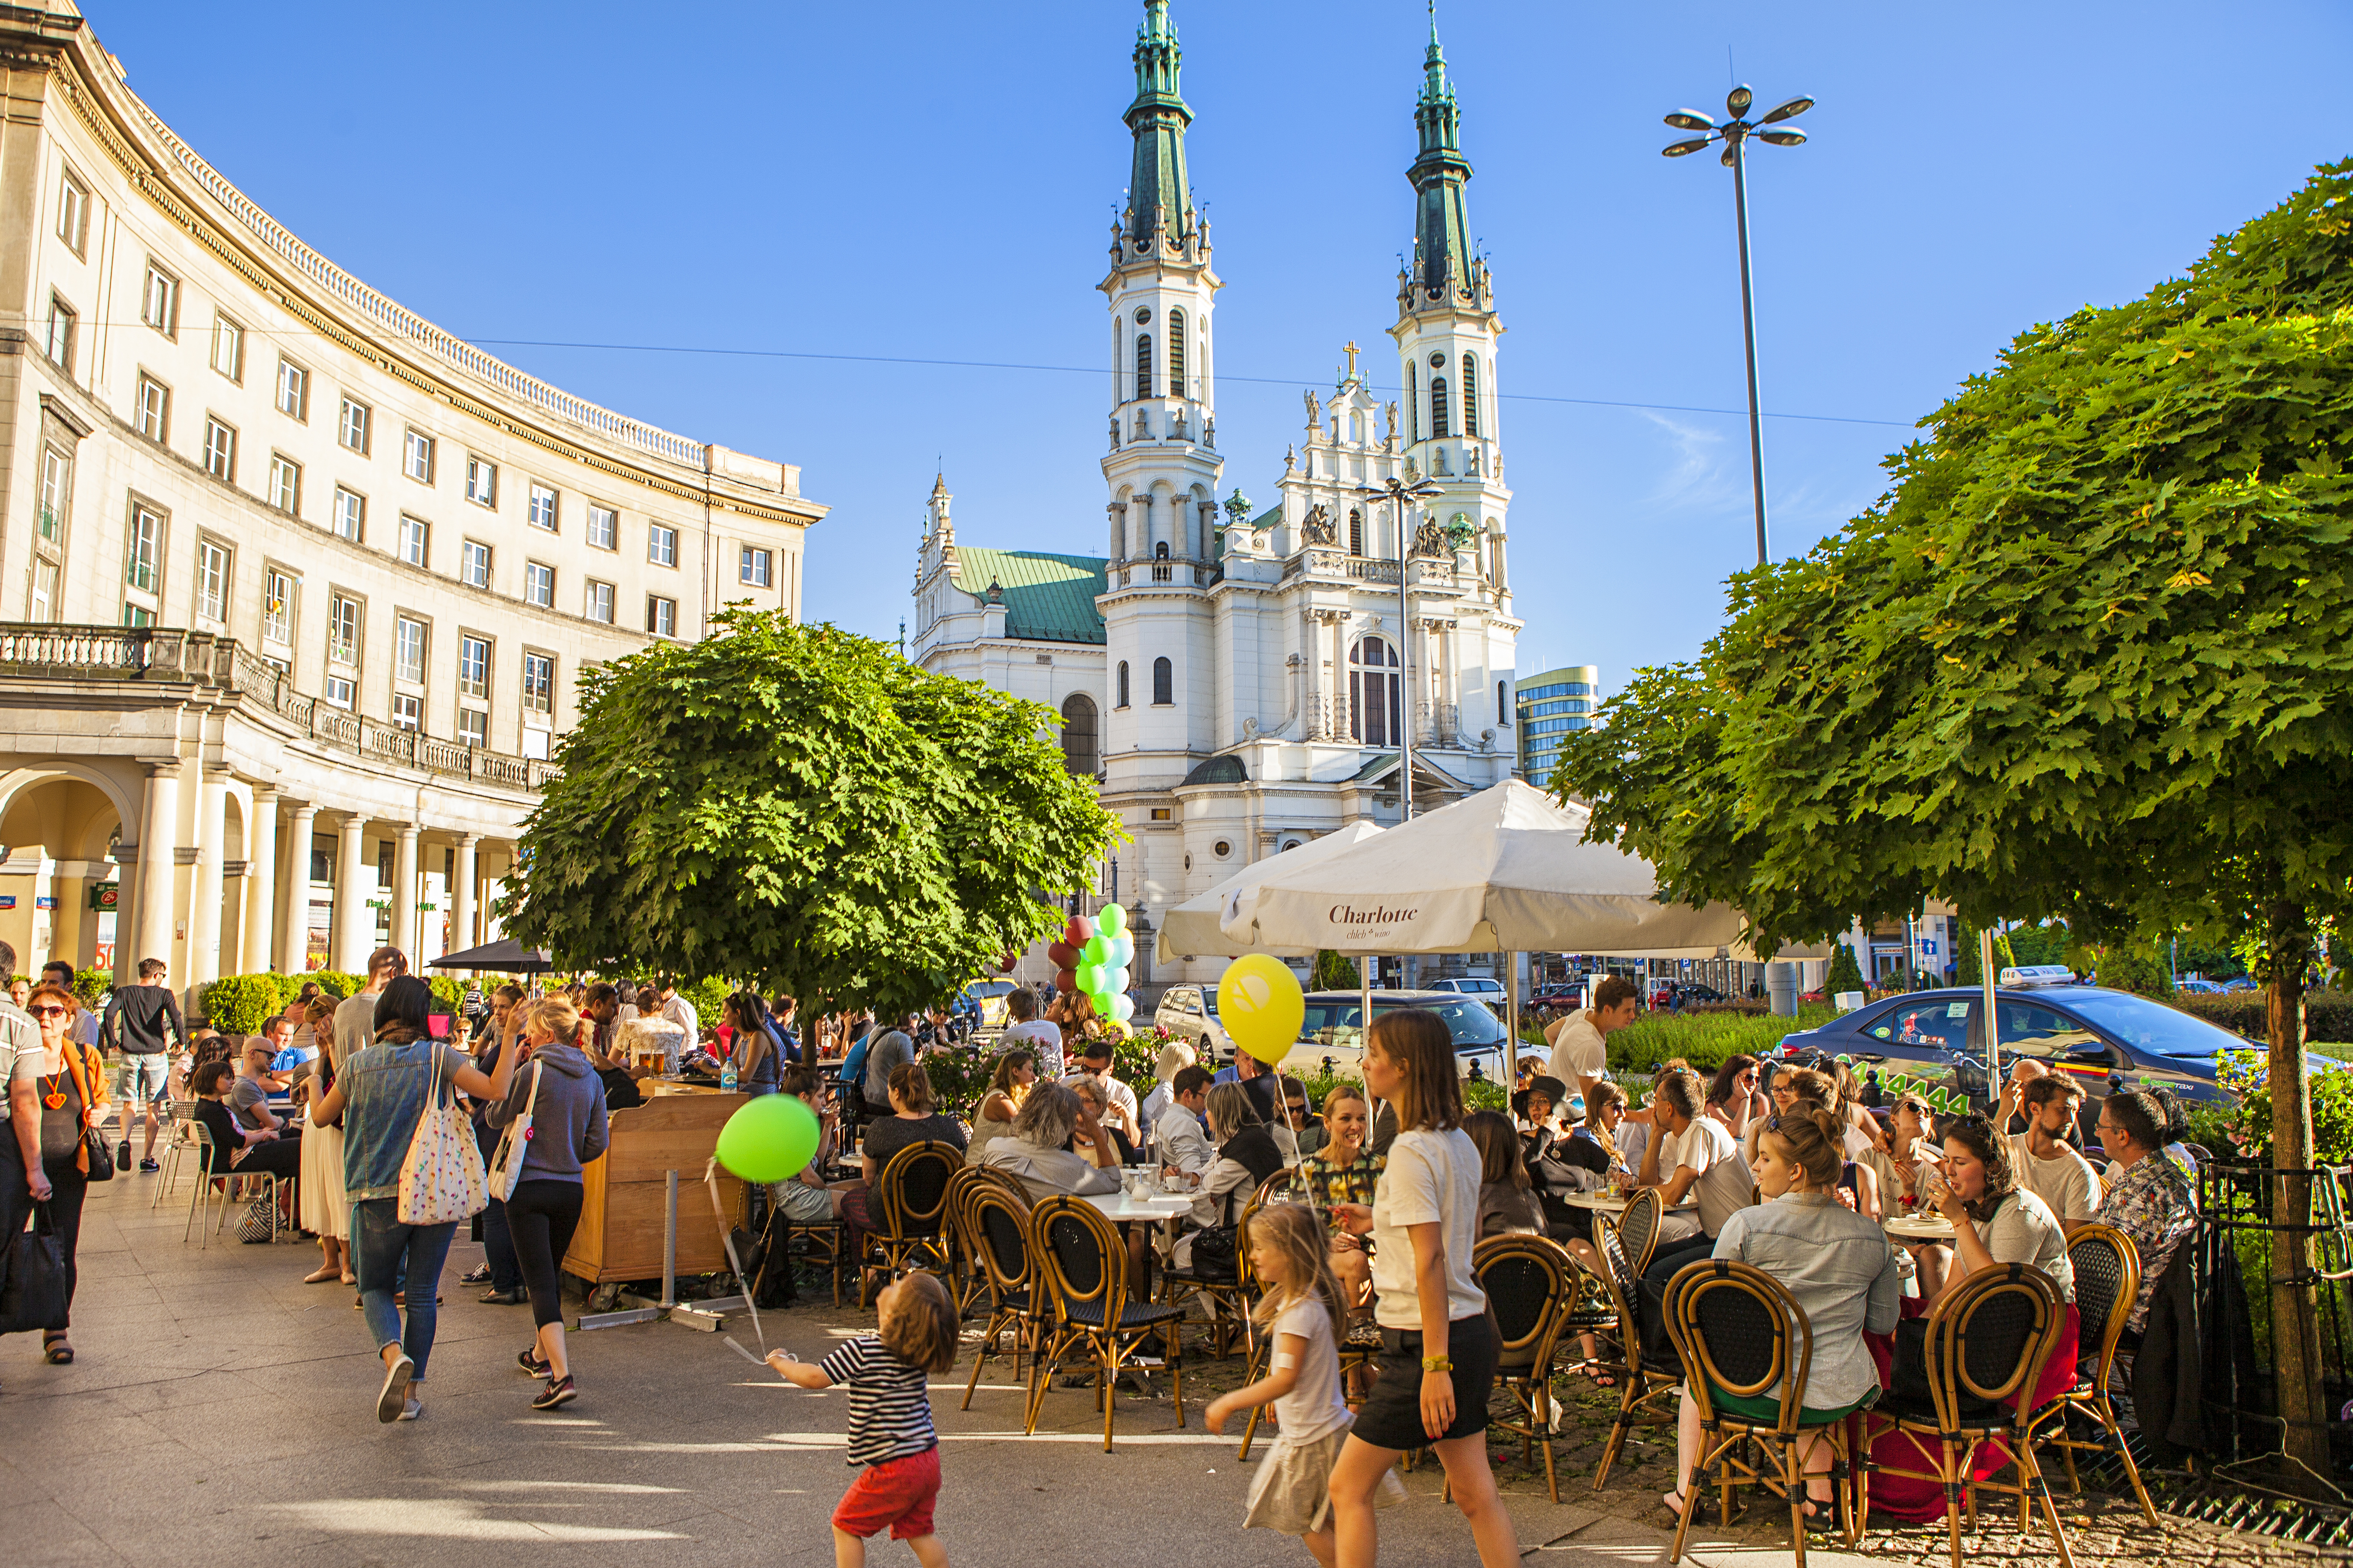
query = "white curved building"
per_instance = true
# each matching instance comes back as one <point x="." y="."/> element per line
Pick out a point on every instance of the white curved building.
<point x="296" y="589"/>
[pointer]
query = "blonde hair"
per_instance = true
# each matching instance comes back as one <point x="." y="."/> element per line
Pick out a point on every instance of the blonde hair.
<point x="1416" y="1042"/>
<point x="919" y="1324"/>
<point x="558" y="1017"/>
<point x="1297" y="1238"/>
<point x="1809" y="1138"/>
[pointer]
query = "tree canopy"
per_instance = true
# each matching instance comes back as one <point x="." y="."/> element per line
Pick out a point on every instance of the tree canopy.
<point x="795" y="806"/>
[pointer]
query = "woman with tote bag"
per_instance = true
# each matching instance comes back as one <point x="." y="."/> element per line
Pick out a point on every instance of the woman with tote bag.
<point x="411" y="1164"/>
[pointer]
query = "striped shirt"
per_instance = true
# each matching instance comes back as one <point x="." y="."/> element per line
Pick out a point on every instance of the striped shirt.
<point x="889" y="1403"/>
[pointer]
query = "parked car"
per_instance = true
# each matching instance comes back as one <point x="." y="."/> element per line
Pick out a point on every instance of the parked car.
<point x="986" y="998"/>
<point x="1556" y="996"/>
<point x="1190" y="1012"/>
<point x="1331" y="1038"/>
<point x="1490" y="991"/>
<point x="2238" y="983"/>
<point x="2195" y="986"/>
<point x="2104" y="1039"/>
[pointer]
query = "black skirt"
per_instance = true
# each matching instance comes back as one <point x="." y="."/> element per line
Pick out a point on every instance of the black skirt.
<point x="1391" y="1418"/>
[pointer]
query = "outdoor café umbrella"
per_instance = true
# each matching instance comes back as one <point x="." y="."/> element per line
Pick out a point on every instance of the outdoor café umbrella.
<point x="505" y="956"/>
<point x="1193" y="927"/>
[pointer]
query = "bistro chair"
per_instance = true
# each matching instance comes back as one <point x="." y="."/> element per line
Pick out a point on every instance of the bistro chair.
<point x="965" y="1280"/>
<point x="1078" y="1253"/>
<point x="1638" y="1230"/>
<point x="1650" y="1376"/>
<point x="1227" y="1302"/>
<point x="1750" y="1347"/>
<point x="1987" y="1342"/>
<point x="911" y="1198"/>
<point x="1531" y="1285"/>
<point x="214" y="1174"/>
<point x="998" y="1222"/>
<point x="1359" y="1345"/>
<point x="178" y="1142"/>
<point x="2107" y="1283"/>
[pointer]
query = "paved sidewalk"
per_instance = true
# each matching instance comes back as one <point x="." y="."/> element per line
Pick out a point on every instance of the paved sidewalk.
<point x="221" y="1411"/>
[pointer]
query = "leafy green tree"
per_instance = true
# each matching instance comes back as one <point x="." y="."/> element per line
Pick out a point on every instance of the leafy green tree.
<point x="1334" y="972"/>
<point x="802" y="809"/>
<point x="2091" y="659"/>
<point x="1845" y="973"/>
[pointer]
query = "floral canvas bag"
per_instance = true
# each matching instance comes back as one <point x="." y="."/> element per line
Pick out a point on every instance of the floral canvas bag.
<point x="441" y="1180"/>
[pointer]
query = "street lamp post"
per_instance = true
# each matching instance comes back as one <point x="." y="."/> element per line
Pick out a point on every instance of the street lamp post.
<point x="1735" y="134"/>
<point x="1397" y="492"/>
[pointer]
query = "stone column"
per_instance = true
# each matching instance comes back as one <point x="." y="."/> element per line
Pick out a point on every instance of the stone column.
<point x="1340" y="695"/>
<point x="151" y="934"/>
<point x="355" y="880"/>
<point x="261" y="878"/>
<point x="461" y="926"/>
<point x="1314" y="639"/>
<point x="205" y="891"/>
<point x="403" y="891"/>
<point x="294" y="921"/>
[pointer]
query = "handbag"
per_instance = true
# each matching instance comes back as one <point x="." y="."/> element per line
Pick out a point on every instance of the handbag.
<point x="33" y="1292"/>
<point x="98" y="1157"/>
<point x="441" y="1177"/>
<point x="257" y="1223"/>
<point x="1216" y="1256"/>
<point x="506" y="1166"/>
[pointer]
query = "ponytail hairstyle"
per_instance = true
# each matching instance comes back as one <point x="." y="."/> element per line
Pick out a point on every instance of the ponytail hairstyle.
<point x="558" y="1017"/>
<point x="1295" y="1233"/>
<point x="1809" y="1138"/>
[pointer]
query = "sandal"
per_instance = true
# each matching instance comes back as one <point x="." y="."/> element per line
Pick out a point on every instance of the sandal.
<point x="1603" y="1379"/>
<point x="321" y="1275"/>
<point x="55" y="1349"/>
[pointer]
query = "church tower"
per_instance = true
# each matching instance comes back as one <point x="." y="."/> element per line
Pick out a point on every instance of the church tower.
<point x="1162" y="466"/>
<point x="1446" y="335"/>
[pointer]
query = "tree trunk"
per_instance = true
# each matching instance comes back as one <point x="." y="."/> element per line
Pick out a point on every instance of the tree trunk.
<point x="2295" y="1334"/>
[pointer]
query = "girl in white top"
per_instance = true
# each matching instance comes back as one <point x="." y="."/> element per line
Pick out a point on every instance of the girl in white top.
<point x="1302" y="1314"/>
<point x="1438" y="1348"/>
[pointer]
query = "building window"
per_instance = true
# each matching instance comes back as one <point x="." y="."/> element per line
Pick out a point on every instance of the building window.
<point x="56" y="484"/>
<point x="285" y="484"/>
<point x="351" y="515"/>
<point x="1470" y="397"/>
<point x="415" y="534"/>
<point x="1356" y="532"/>
<point x="407" y="711"/>
<point x="481" y="482"/>
<point x="409" y="650"/>
<point x="538" y="584"/>
<point x="417" y="457"/>
<point x="45" y="591"/>
<point x="473" y="727"/>
<point x="1437" y="407"/>
<point x="1502" y="705"/>
<point x="1143" y="364"/>
<point x="142" y="564"/>
<point x="1176" y="354"/>
<point x="1375" y="691"/>
<point x="603" y="527"/>
<point x="159" y="306"/>
<point x="154" y="410"/>
<point x="1079" y="751"/>
<point x="338" y="691"/>
<point x="753" y="567"/>
<point x="543" y="508"/>
<point x="474" y="563"/>
<point x="73" y="213"/>
<point x="343" y="630"/>
<point x="662" y="545"/>
<point x="229" y="347"/>
<point x="600" y="602"/>
<point x="137" y="615"/>
<point x="1164" y="683"/>
<point x="661" y="616"/>
<point x="220" y="450"/>
<point x="60" y="343"/>
<point x="277" y="608"/>
<point x="352" y="429"/>
<point x="474" y="667"/>
<point x="212" y="580"/>
<point x="1412" y="403"/>
<point x="538" y="683"/>
<point x="293" y="390"/>
<point x="1123" y="683"/>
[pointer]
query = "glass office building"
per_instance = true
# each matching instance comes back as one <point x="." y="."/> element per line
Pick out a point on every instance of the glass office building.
<point x="1548" y="706"/>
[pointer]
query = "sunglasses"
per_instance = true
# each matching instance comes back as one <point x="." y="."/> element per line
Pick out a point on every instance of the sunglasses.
<point x="48" y="1012"/>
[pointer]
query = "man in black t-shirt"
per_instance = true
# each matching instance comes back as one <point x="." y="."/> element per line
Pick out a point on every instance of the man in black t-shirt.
<point x="142" y="1022"/>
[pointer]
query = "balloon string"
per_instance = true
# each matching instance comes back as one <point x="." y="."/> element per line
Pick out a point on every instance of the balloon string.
<point x="727" y="1240"/>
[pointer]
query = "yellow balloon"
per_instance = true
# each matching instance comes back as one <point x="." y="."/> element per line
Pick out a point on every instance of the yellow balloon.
<point x="1262" y="1006"/>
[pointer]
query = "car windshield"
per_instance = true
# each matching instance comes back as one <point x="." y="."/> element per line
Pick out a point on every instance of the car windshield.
<point x="2152" y="1026"/>
<point x="989" y="988"/>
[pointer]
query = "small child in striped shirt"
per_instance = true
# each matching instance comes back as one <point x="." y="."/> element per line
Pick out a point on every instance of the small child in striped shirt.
<point x="890" y="1428"/>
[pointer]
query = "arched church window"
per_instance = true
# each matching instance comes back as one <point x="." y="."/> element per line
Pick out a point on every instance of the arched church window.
<point x="1176" y="354"/>
<point x="1143" y="364"/>
<point x="1164" y="683"/>
<point x="1160" y="550"/>
<point x="1356" y="532"/>
<point x="1502" y="706"/>
<point x="1079" y="753"/>
<point x="1412" y="403"/>
<point x="1470" y="397"/>
<point x="1375" y="692"/>
<point x="1123" y="683"/>
<point x="1437" y="407"/>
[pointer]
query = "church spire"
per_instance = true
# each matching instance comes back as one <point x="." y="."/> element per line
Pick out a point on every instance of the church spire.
<point x="1159" y="202"/>
<point x="1443" y="260"/>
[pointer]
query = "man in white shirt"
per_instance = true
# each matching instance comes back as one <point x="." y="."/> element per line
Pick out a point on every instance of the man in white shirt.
<point x="1580" y="1050"/>
<point x="1177" y="1138"/>
<point x="676" y="1009"/>
<point x="1691" y="1155"/>
<point x="1094" y="1062"/>
<point x="2048" y="1166"/>
<point x="1042" y="1036"/>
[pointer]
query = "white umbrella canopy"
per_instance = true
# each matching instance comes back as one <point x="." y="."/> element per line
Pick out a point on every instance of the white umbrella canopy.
<point x="1193" y="927"/>
<point x="1503" y="872"/>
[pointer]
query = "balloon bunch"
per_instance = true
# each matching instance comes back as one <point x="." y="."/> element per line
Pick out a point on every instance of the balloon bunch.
<point x="1092" y="961"/>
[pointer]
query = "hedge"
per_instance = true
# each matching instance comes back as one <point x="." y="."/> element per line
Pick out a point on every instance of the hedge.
<point x="1705" y="1038"/>
<point x="2327" y="1015"/>
<point x="241" y="1004"/>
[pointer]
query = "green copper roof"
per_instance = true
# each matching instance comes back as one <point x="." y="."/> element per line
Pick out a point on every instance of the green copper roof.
<point x="1050" y="598"/>
<point x="1158" y="193"/>
<point x="1443" y="223"/>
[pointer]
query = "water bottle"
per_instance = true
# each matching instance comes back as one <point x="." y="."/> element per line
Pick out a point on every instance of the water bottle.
<point x="727" y="1076"/>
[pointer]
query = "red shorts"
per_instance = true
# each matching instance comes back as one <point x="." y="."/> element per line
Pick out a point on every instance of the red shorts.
<point x="897" y="1492"/>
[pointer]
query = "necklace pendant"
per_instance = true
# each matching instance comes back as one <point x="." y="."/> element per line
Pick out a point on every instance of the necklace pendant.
<point x="54" y="1102"/>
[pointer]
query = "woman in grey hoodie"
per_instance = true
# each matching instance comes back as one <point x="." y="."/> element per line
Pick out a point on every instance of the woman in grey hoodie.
<point x="566" y="1101"/>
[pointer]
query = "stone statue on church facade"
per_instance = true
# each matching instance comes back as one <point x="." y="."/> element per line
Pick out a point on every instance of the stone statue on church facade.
<point x="1320" y="528"/>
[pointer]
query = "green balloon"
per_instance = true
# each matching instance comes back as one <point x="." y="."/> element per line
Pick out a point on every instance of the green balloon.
<point x="1097" y="950"/>
<point x="1110" y="920"/>
<point x="769" y="1139"/>
<point x="1090" y="977"/>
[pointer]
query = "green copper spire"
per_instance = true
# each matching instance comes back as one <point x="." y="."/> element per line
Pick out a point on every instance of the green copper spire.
<point x="1158" y="203"/>
<point x="1443" y="261"/>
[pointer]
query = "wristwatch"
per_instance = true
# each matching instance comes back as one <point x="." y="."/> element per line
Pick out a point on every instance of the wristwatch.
<point x="1437" y="1363"/>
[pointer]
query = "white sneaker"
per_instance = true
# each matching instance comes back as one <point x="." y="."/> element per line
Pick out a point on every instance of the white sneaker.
<point x="410" y="1410"/>
<point x="390" y="1398"/>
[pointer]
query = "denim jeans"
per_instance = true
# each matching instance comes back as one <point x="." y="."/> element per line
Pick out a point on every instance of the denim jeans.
<point x="388" y="1255"/>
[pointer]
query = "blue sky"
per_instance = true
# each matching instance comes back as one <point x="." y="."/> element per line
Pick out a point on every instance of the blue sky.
<point x="936" y="182"/>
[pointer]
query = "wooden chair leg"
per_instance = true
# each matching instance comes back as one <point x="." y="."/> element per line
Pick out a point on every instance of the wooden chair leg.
<point x="2031" y="1474"/>
<point x="1953" y="1503"/>
<point x="2132" y="1470"/>
<point x="1542" y="1416"/>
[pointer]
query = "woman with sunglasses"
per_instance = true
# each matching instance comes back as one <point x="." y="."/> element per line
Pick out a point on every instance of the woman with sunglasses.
<point x="68" y="1097"/>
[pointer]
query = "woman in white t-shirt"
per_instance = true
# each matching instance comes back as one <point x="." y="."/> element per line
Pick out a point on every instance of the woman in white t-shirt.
<point x="1438" y="1348"/>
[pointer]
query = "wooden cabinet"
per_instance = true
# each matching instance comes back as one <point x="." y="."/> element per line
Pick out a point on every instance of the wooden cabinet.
<point x="622" y="1205"/>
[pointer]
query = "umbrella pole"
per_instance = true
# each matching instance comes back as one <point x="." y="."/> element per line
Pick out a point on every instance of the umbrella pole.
<point x="1512" y="1016"/>
<point x="1364" y="962"/>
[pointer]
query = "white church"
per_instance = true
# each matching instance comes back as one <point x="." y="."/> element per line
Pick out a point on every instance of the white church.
<point x="1238" y="684"/>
